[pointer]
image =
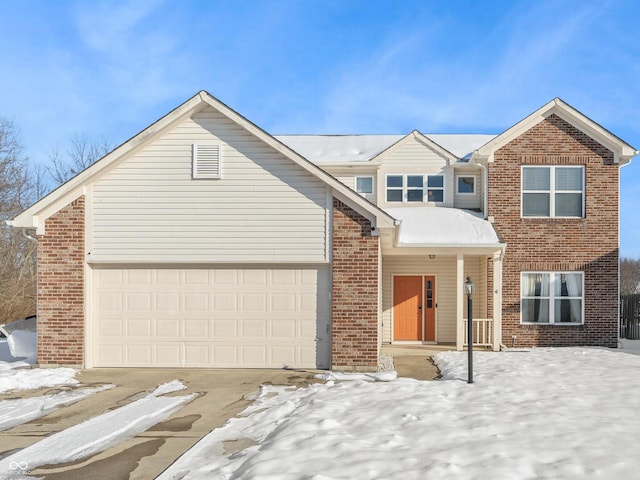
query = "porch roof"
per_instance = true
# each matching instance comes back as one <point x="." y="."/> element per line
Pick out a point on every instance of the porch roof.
<point x="442" y="226"/>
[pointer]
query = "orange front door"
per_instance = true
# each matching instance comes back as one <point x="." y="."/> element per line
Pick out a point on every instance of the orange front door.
<point x="407" y="308"/>
<point x="414" y="308"/>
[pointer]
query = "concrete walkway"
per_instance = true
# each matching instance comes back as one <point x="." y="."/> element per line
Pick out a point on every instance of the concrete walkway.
<point x="414" y="361"/>
<point x="223" y="394"/>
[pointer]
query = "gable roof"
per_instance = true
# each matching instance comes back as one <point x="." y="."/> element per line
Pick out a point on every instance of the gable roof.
<point x="427" y="142"/>
<point x="34" y="216"/>
<point x="622" y="151"/>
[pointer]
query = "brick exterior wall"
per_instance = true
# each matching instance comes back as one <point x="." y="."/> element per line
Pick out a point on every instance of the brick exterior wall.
<point x="61" y="287"/>
<point x="354" y="291"/>
<point x="588" y="244"/>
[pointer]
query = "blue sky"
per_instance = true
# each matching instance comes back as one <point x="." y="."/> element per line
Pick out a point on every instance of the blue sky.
<point x="107" y="69"/>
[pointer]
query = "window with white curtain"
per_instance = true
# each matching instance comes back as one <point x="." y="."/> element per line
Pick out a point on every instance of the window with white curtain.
<point x="556" y="191"/>
<point x="552" y="297"/>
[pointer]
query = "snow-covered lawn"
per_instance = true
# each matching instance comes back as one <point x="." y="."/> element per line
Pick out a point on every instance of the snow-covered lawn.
<point x="548" y="413"/>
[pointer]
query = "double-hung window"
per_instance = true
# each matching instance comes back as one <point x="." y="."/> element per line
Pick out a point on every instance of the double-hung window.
<point x="552" y="297"/>
<point x="435" y="188"/>
<point x="415" y="188"/>
<point x="395" y="184"/>
<point x="553" y="192"/>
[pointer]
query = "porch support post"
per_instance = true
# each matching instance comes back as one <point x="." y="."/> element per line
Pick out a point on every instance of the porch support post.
<point x="460" y="302"/>
<point x="497" y="301"/>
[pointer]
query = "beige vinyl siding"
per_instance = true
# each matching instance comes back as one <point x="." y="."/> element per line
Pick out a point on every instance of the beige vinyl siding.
<point x="444" y="269"/>
<point x="264" y="208"/>
<point x="413" y="158"/>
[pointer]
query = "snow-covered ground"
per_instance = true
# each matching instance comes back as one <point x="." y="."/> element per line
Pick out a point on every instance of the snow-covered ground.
<point x="546" y="413"/>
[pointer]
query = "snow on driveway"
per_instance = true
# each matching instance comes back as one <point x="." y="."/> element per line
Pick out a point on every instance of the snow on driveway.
<point x="97" y="434"/>
<point x="23" y="410"/>
<point x="547" y="413"/>
<point x="14" y="377"/>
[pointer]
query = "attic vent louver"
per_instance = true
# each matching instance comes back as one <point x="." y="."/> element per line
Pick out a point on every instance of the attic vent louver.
<point x="206" y="160"/>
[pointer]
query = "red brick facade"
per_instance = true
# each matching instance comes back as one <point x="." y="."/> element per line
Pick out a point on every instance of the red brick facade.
<point x="61" y="287"/>
<point x="354" y="291"/>
<point x="588" y="244"/>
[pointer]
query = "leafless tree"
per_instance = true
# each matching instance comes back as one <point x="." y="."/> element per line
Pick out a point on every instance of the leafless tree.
<point x="629" y="275"/>
<point x="81" y="154"/>
<point x="17" y="252"/>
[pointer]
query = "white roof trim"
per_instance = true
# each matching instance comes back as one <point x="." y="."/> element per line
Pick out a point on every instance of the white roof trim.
<point x="36" y="214"/>
<point x="622" y="151"/>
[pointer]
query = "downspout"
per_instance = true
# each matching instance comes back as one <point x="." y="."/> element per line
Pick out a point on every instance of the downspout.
<point x="485" y="190"/>
<point x="620" y="344"/>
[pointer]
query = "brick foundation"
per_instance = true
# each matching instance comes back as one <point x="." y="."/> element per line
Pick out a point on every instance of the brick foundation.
<point x="586" y="244"/>
<point x="354" y="291"/>
<point x="61" y="287"/>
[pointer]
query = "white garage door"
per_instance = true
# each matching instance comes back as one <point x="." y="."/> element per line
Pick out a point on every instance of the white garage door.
<point x="262" y="317"/>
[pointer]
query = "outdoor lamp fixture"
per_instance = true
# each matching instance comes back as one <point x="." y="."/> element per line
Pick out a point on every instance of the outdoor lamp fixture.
<point x="469" y="289"/>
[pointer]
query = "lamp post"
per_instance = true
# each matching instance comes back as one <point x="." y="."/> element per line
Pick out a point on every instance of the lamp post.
<point x="469" y="289"/>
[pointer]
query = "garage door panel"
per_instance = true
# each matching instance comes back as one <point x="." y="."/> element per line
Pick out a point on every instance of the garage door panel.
<point x="140" y="302"/>
<point x="169" y="355"/>
<point x="138" y="327"/>
<point x="139" y="354"/>
<point x="168" y="328"/>
<point x="110" y="327"/>
<point x="263" y="317"/>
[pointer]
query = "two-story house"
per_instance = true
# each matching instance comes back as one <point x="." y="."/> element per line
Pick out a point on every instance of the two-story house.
<point x="204" y="241"/>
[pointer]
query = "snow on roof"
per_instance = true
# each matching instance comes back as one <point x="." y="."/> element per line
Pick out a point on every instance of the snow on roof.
<point x="321" y="149"/>
<point x="339" y="148"/>
<point x="441" y="225"/>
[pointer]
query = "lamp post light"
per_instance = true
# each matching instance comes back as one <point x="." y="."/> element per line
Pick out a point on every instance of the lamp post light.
<point x="469" y="289"/>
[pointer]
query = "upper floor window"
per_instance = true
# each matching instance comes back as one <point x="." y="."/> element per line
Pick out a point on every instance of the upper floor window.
<point x="466" y="184"/>
<point x="415" y="188"/>
<point x="435" y="188"/>
<point x="556" y="191"/>
<point x="364" y="185"/>
<point x="552" y="297"/>
<point x="395" y="184"/>
<point x="411" y="188"/>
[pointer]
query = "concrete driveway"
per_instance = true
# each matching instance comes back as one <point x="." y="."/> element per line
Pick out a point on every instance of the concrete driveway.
<point x="223" y="393"/>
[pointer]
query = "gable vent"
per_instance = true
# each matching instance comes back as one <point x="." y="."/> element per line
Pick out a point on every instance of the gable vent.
<point x="206" y="160"/>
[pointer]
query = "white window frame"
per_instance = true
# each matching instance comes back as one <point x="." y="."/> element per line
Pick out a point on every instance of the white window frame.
<point x="552" y="191"/>
<point x="405" y="187"/>
<point x="402" y="188"/>
<point x="554" y="277"/>
<point x="209" y="164"/>
<point x="458" y="177"/>
<point x="408" y="189"/>
<point x="355" y="184"/>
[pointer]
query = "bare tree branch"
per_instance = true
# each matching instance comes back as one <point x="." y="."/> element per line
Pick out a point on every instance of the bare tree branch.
<point x="17" y="253"/>
<point x="82" y="154"/>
